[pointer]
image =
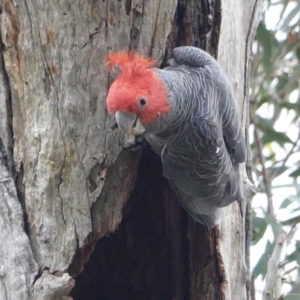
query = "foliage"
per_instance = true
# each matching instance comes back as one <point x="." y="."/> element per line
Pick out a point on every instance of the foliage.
<point x="275" y="111"/>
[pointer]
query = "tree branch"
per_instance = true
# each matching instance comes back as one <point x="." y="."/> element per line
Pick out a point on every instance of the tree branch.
<point x="273" y="279"/>
<point x="266" y="181"/>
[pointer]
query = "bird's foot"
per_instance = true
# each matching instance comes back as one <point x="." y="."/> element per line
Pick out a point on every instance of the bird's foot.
<point x="139" y="143"/>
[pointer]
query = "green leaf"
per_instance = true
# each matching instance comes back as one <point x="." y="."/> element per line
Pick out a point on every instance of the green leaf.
<point x="286" y="203"/>
<point x="295" y="173"/>
<point x="261" y="266"/>
<point x="259" y="226"/>
<point x="283" y="80"/>
<point x="294" y="256"/>
<point x="293" y="198"/>
<point x="263" y="122"/>
<point x="269" y="43"/>
<point x="291" y="106"/>
<point x="289" y="200"/>
<point x="264" y="99"/>
<point x="270" y="135"/>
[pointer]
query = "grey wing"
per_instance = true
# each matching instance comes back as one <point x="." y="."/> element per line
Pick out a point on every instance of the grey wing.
<point x="200" y="172"/>
<point x="232" y="130"/>
<point x="199" y="164"/>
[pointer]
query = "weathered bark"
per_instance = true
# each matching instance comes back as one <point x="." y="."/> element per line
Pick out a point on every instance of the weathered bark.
<point x="66" y="180"/>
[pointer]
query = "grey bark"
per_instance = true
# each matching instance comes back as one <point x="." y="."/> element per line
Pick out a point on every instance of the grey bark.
<point x="64" y="177"/>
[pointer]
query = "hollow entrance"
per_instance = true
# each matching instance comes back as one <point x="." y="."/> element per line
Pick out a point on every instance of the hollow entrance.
<point x="147" y="257"/>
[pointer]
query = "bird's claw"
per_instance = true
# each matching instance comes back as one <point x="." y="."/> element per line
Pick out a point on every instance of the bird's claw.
<point x="139" y="143"/>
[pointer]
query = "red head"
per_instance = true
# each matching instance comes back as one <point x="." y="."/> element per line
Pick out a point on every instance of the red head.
<point x="137" y="90"/>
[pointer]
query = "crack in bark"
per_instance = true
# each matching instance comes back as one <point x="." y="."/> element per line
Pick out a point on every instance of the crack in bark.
<point x="86" y="182"/>
<point x="128" y="4"/>
<point x="59" y="120"/>
<point x="155" y="29"/>
<point x="59" y="73"/>
<point x="9" y="125"/>
<point x="59" y="195"/>
<point x="137" y="21"/>
<point x="16" y="175"/>
<point x="30" y="21"/>
<point x="38" y="155"/>
<point x="89" y="58"/>
<point x="223" y="281"/>
<point x="47" y="83"/>
<point x="3" y="155"/>
<point x="4" y="286"/>
<point x="214" y="36"/>
<point x="74" y="25"/>
<point x="78" y="153"/>
<point x="106" y="23"/>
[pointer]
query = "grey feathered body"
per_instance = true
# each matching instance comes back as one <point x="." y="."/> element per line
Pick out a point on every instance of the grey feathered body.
<point x="200" y="141"/>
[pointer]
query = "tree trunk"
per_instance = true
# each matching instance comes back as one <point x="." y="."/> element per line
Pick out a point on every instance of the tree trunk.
<point x="81" y="216"/>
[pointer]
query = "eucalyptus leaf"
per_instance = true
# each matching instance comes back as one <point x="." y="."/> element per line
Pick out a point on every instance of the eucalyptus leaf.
<point x="291" y="106"/>
<point x="286" y="202"/>
<point x="295" y="173"/>
<point x="261" y="266"/>
<point x="295" y="255"/>
<point x="269" y="43"/>
<point x="270" y="135"/>
<point x="259" y="226"/>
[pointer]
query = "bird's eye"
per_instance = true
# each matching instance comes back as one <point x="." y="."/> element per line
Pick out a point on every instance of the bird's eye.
<point x="143" y="101"/>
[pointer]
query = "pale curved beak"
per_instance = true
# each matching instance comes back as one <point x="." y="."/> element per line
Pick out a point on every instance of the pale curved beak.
<point x="129" y="123"/>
